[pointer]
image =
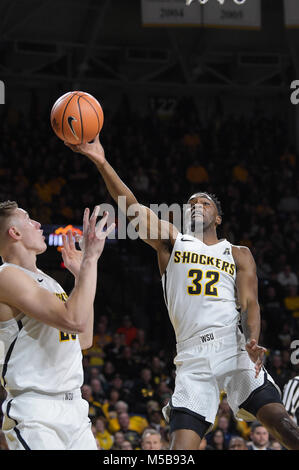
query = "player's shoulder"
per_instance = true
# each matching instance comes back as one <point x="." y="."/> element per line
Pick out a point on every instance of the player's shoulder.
<point x="242" y="254"/>
<point x="12" y="275"/>
<point x="8" y="271"/>
<point x="241" y="250"/>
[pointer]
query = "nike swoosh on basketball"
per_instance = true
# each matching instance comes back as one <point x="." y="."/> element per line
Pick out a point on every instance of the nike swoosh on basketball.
<point x="70" y="120"/>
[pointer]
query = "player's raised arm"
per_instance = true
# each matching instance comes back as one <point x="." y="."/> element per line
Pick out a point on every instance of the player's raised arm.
<point x="247" y="290"/>
<point x="20" y="291"/>
<point x="152" y="230"/>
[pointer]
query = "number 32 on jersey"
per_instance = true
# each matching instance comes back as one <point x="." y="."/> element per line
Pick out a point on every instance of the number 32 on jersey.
<point x="203" y="285"/>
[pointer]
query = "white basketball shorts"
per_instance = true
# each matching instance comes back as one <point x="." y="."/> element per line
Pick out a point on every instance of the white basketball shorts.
<point x="41" y="422"/>
<point x="210" y="363"/>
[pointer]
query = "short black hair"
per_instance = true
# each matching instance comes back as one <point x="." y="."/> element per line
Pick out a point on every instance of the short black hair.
<point x="255" y="425"/>
<point x="213" y="197"/>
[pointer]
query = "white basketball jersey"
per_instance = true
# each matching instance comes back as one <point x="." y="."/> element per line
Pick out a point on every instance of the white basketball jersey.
<point x="38" y="357"/>
<point x="199" y="287"/>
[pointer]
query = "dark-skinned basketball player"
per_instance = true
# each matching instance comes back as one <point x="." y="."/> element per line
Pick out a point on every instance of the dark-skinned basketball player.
<point x="199" y="276"/>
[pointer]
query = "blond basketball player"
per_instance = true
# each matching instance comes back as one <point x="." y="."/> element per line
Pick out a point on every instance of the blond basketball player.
<point x="43" y="332"/>
<point x="200" y="274"/>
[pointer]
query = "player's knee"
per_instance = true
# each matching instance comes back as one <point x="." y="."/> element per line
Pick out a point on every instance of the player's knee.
<point x="186" y="421"/>
<point x="276" y="419"/>
<point x="186" y="429"/>
<point x="184" y="439"/>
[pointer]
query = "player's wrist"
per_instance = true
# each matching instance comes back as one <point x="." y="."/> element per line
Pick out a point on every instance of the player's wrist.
<point x="89" y="259"/>
<point x="100" y="160"/>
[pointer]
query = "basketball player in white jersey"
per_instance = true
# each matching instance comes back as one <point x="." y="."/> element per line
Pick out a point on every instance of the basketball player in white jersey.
<point x="199" y="275"/>
<point x="43" y="332"/>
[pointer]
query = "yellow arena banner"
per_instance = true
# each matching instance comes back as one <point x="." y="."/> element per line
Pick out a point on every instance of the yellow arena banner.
<point x="291" y="13"/>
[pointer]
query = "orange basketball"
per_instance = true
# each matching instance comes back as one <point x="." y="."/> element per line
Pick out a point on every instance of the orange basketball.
<point x="77" y="117"/>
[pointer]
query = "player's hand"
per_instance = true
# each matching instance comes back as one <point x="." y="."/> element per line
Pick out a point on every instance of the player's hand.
<point x="256" y="354"/>
<point x="71" y="256"/>
<point x="94" y="235"/>
<point x="93" y="150"/>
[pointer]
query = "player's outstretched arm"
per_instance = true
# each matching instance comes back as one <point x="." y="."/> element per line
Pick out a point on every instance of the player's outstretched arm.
<point x="247" y="290"/>
<point x="151" y="229"/>
<point x="20" y="291"/>
<point x="72" y="258"/>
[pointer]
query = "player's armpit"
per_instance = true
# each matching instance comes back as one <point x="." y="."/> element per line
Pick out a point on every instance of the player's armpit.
<point x="152" y="230"/>
<point x="22" y="292"/>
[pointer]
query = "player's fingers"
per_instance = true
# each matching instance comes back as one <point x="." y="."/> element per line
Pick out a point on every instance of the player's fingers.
<point x="85" y="220"/>
<point x="71" y="240"/>
<point x="65" y="242"/>
<point x="93" y="219"/>
<point x="101" y="224"/>
<point x="258" y="366"/>
<point x="64" y="255"/>
<point x="78" y="238"/>
<point x="261" y="354"/>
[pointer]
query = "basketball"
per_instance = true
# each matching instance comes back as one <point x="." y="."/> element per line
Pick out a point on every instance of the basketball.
<point x="77" y="117"/>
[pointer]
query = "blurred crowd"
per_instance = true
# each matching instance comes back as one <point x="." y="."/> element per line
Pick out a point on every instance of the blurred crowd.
<point x="251" y="167"/>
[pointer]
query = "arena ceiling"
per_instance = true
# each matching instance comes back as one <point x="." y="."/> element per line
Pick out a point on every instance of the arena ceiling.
<point x="78" y="41"/>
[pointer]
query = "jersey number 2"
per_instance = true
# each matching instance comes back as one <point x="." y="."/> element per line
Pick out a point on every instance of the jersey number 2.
<point x="209" y="286"/>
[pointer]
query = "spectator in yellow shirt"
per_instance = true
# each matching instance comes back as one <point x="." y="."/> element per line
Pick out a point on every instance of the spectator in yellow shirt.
<point x="103" y="436"/>
<point x="136" y="423"/>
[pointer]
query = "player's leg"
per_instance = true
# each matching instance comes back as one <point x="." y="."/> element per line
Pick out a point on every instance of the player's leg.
<point x="186" y="430"/>
<point x="184" y="439"/>
<point x="278" y="422"/>
<point x="25" y="429"/>
<point x="265" y="404"/>
<point x="85" y="441"/>
<point x="191" y="410"/>
<point x="262" y="402"/>
<point x="194" y="403"/>
<point x="81" y="437"/>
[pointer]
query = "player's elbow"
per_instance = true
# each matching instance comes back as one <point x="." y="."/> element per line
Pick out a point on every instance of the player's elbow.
<point x="85" y="344"/>
<point x="249" y="304"/>
<point x="80" y="327"/>
<point x="253" y="306"/>
<point x="73" y="326"/>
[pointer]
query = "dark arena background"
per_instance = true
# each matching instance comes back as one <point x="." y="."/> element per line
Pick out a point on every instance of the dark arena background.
<point x="191" y="103"/>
